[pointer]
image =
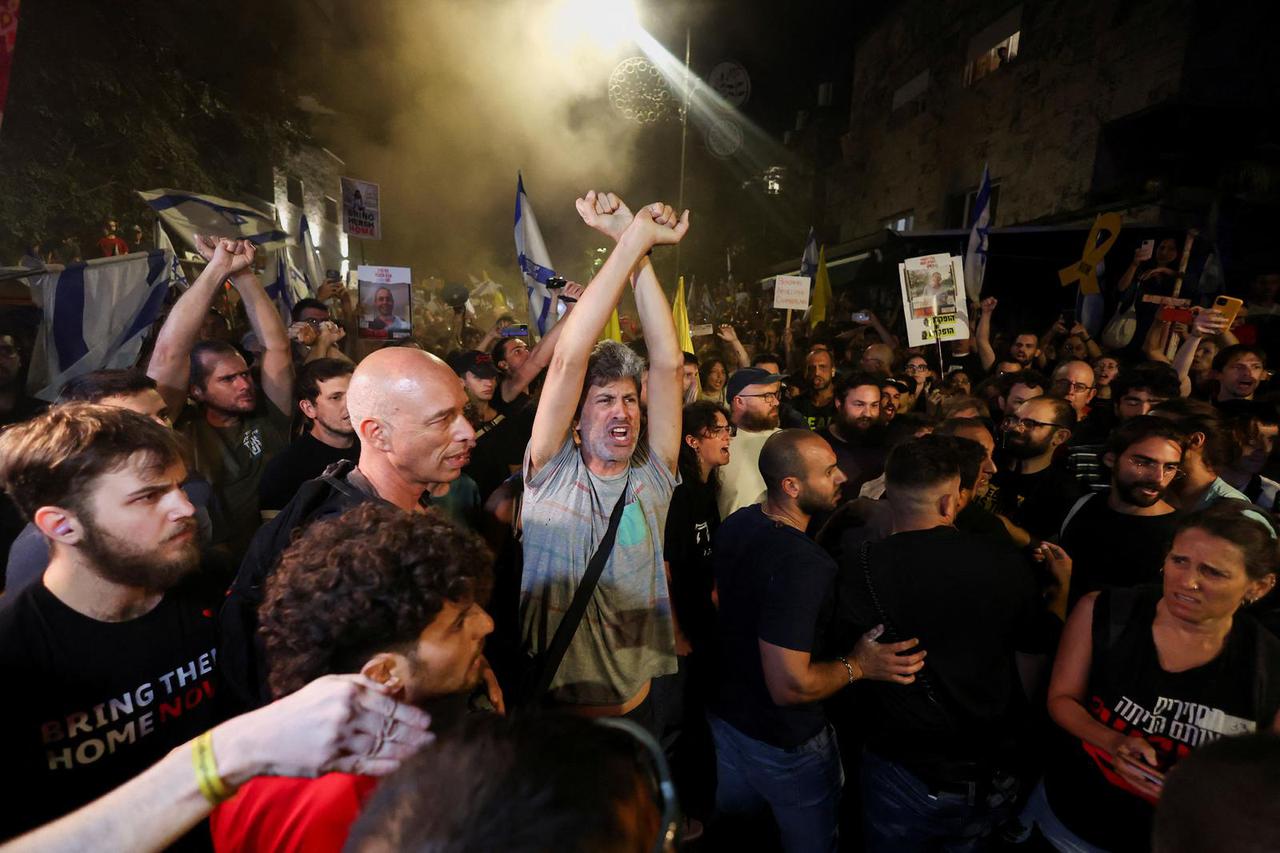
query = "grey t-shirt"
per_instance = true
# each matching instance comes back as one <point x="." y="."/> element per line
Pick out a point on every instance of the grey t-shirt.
<point x="626" y="636"/>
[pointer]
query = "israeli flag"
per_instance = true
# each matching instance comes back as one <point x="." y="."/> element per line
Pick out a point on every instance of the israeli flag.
<point x="809" y="259"/>
<point x="305" y="258"/>
<point x="535" y="263"/>
<point x="975" y="255"/>
<point x="189" y="214"/>
<point x="285" y="283"/>
<point x="95" y="316"/>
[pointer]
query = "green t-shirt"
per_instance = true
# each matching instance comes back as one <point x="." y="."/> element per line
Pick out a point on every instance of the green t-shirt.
<point x="232" y="459"/>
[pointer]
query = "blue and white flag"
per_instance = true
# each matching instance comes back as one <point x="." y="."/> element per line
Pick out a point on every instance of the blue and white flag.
<point x="189" y="214"/>
<point x="163" y="242"/>
<point x="975" y="255"/>
<point x="535" y="263"/>
<point x="285" y="283"/>
<point x="305" y="258"/>
<point x="95" y="316"/>
<point x="809" y="259"/>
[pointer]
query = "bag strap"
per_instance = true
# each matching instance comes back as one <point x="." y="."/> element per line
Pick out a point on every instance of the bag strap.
<point x="890" y="631"/>
<point x="586" y="588"/>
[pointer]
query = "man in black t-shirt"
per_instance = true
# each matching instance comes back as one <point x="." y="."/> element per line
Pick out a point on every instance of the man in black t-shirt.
<point x="1035" y="492"/>
<point x="322" y="399"/>
<point x="1120" y="538"/>
<point x="110" y="660"/>
<point x="817" y="404"/>
<point x="774" y="748"/>
<point x="856" y="433"/>
<point x="939" y="745"/>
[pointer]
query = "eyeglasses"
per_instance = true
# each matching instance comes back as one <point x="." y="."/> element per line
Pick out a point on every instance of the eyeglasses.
<point x="312" y="322"/>
<point x="1077" y="387"/>
<point x="1013" y="422"/>
<point x="772" y="396"/>
<point x="716" y="432"/>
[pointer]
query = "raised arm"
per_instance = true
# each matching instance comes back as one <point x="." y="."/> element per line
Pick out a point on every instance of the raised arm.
<point x="729" y="335"/>
<point x="277" y="360"/>
<point x="886" y="337"/>
<point x="654" y="224"/>
<point x="170" y="364"/>
<point x="666" y="366"/>
<point x="540" y="356"/>
<point x="1206" y="325"/>
<point x="986" y="354"/>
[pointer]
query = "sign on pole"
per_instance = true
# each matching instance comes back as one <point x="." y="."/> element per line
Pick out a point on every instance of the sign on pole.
<point x="360" y="212"/>
<point x="385" y="310"/>
<point x="791" y="292"/>
<point x="933" y="299"/>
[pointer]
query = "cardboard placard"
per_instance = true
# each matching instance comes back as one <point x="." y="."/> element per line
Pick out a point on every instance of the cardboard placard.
<point x="933" y="299"/>
<point x="385" y="308"/>
<point x="792" y="292"/>
<point x="360" y="209"/>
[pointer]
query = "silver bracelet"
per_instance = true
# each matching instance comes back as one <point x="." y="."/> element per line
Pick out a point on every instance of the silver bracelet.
<point x="844" y="660"/>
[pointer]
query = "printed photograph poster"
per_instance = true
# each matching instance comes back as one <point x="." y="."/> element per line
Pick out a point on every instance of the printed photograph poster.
<point x="385" y="306"/>
<point x="791" y="291"/>
<point x="933" y="299"/>
<point x="360" y="216"/>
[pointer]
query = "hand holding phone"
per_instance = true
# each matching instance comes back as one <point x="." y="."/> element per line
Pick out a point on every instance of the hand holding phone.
<point x="515" y="331"/>
<point x="1146" y="249"/>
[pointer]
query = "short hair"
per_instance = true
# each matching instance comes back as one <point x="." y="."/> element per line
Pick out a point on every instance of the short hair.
<point x="97" y="385"/>
<point x="303" y="304"/>
<point x="1229" y="354"/>
<point x="690" y="358"/>
<point x="1227" y="520"/>
<point x="610" y="362"/>
<point x="1029" y="378"/>
<point x="1140" y="428"/>
<point x="846" y="383"/>
<point x="959" y="404"/>
<point x="904" y="426"/>
<point x="528" y="784"/>
<point x="765" y="358"/>
<point x="970" y="456"/>
<point x="921" y="463"/>
<point x="954" y="426"/>
<point x="1159" y="379"/>
<point x="1221" y="797"/>
<point x="369" y="580"/>
<point x="320" y="370"/>
<point x="1025" y="333"/>
<point x="1063" y="414"/>
<point x="780" y="457"/>
<point x="1192" y="416"/>
<point x="199" y="368"/>
<point x="52" y="459"/>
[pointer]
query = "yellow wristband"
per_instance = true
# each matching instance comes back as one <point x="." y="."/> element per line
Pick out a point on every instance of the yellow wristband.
<point x="211" y="785"/>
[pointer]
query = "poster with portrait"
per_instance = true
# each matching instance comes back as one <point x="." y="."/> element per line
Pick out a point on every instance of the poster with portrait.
<point x="360" y="210"/>
<point x="385" y="308"/>
<point x="933" y="299"/>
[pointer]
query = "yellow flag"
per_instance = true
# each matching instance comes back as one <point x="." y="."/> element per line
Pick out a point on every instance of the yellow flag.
<point x="612" y="329"/>
<point x="680" y="313"/>
<point x="821" y="290"/>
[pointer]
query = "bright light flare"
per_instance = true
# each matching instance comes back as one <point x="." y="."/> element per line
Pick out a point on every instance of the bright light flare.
<point x="607" y="24"/>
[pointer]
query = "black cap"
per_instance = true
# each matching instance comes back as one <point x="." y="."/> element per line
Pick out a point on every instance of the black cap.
<point x="478" y="364"/>
<point x="748" y="376"/>
<point x="899" y="382"/>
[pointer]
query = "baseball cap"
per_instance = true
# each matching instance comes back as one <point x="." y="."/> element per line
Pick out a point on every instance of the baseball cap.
<point x="897" y="382"/>
<point x="479" y="364"/>
<point x="748" y="376"/>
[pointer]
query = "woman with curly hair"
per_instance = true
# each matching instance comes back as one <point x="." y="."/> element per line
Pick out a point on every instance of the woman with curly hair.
<point x="397" y="597"/>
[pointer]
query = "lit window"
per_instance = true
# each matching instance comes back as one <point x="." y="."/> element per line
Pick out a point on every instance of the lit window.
<point x="994" y="47"/>
<point x="901" y="222"/>
<point x="773" y="180"/>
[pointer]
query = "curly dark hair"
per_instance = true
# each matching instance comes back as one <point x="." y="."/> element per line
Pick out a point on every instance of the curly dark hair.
<point x="367" y="581"/>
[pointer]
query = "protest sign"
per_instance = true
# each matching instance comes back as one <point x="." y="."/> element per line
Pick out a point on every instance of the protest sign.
<point x="791" y="292"/>
<point x="933" y="299"/>
<point x="360" y="216"/>
<point x="385" y="302"/>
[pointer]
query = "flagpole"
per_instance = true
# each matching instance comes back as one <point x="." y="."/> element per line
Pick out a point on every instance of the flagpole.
<point x="684" y="131"/>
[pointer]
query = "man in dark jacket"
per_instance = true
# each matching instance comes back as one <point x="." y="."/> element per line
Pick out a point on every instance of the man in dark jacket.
<point x="407" y="408"/>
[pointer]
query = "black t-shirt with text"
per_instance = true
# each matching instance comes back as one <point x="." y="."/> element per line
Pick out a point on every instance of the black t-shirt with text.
<point x="972" y="605"/>
<point x="772" y="582"/>
<point x="1176" y="712"/>
<point x="93" y="704"/>
<point x="816" y="417"/>
<point x="692" y="521"/>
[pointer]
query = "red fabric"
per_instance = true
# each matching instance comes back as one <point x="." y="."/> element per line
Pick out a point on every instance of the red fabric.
<point x="8" y="36"/>
<point x="112" y="246"/>
<point x="277" y="813"/>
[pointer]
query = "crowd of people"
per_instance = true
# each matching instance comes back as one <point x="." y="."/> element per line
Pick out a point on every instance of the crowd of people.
<point x="801" y="588"/>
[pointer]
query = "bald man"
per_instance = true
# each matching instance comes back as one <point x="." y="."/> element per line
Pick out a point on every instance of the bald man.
<point x="407" y="407"/>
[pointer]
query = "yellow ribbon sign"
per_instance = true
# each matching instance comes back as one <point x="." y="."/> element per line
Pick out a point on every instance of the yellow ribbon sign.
<point x="1086" y="272"/>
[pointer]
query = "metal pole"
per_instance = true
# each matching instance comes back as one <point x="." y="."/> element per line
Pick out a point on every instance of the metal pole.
<point x="684" y="131"/>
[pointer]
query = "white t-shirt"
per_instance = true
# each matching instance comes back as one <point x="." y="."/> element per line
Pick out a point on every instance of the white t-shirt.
<point x="740" y="481"/>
